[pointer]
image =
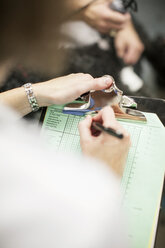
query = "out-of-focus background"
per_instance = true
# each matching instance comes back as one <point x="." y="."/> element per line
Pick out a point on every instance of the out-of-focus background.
<point x="151" y="13"/>
<point x="96" y="59"/>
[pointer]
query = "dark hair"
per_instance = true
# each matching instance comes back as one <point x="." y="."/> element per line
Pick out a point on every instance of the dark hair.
<point x="29" y="31"/>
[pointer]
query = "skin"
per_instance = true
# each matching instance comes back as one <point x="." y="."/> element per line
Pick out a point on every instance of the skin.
<point x="128" y="45"/>
<point x="56" y="91"/>
<point x="65" y="89"/>
<point x="109" y="149"/>
<point x="101" y="17"/>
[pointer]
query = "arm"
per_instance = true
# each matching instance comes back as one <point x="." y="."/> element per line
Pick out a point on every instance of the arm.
<point x="56" y="91"/>
<point x="104" y="147"/>
<point x="17" y="100"/>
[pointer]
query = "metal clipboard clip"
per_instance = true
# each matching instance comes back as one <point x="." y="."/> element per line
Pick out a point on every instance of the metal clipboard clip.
<point x="124" y="107"/>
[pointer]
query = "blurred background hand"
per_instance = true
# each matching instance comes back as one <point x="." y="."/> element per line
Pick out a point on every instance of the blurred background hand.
<point x="128" y="45"/>
<point x="100" y="16"/>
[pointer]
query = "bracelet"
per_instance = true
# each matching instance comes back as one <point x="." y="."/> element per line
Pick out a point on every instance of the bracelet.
<point x="31" y="98"/>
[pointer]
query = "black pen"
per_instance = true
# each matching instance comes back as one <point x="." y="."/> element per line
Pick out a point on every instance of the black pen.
<point x="108" y="130"/>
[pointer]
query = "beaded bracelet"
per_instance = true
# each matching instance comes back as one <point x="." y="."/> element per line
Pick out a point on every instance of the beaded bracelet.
<point x="31" y="98"/>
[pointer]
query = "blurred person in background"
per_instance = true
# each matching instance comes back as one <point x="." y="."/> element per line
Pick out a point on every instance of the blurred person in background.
<point x="52" y="200"/>
<point x="101" y="41"/>
<point x="101" y="17"/>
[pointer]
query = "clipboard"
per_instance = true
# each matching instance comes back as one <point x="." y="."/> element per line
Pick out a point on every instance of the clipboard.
<point x="129" y="186"/>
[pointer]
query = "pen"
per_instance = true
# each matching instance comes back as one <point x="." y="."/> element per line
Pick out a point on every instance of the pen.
<point x="108" y="130"/>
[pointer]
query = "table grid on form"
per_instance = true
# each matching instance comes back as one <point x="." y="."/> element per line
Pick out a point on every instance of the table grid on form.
<point x="144" y="169"/>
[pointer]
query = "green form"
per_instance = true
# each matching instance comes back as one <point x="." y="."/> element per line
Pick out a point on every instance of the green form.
<point x="143" y="177"/>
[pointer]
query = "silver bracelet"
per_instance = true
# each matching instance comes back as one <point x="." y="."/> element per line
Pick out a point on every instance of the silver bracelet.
<point x="31" y="98"/>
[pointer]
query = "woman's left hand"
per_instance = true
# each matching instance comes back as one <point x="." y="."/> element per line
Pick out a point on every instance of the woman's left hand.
<point x="66" y="89"/>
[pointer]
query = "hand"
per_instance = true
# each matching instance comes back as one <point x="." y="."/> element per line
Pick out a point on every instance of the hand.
<point x="68" y="88"/>
<point x="100" y="16"/>
<point x="128" y="45"/>
<point x="109" y="149"/>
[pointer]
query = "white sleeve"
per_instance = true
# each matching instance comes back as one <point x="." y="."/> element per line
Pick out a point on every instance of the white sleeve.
<point x="50" y="200"/>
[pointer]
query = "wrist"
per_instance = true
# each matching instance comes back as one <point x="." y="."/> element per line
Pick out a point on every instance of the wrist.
<point x="39" y="94"/>
<point x="43" y="94"/>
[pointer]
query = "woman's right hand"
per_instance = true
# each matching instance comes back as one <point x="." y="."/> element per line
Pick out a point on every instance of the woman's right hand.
<point x="109" y="149"/>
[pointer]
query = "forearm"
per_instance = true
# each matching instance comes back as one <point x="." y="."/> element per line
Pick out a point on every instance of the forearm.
<point x="17" y="100"/>
<point x="56" y="91"/>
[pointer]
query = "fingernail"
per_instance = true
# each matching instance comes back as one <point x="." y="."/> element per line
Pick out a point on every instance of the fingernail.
<point x="108" y="79"/>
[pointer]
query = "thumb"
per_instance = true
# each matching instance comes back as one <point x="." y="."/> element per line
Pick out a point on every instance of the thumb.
<point x="102" y="83"/>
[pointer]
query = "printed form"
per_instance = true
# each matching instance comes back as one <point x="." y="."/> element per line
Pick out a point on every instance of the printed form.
<point x="143" y="177"/>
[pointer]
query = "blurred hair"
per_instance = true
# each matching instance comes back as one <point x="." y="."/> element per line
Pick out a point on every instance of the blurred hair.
<point x="29" y="32"/>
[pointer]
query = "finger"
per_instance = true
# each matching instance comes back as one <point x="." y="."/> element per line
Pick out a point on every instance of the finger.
<point x="132" y="56"/>
<point x="120" y="48"/>
<point x="113" y="26"/>
<point x="97" y="84"/>
<point x="107" y="117"/>
<point x="98" y="117"/>
<point x="85" y="128"/>
<point x="106" y="26"/>
<point x="116" y="17"/>
<point x="103" y="82"/>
